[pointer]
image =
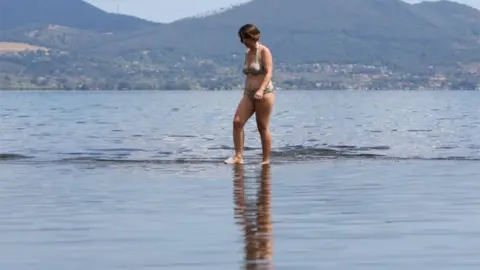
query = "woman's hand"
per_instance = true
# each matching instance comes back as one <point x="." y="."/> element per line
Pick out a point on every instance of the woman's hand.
<point x="258" y="94"/>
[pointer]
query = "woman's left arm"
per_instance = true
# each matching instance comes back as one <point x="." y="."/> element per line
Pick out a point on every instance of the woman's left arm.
<point x="268" y="65"/>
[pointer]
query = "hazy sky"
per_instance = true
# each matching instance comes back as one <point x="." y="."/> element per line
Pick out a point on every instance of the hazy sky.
<point x="169" y="10"/>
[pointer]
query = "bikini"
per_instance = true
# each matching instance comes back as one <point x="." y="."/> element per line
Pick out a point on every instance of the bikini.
<point x="256" y="69"/>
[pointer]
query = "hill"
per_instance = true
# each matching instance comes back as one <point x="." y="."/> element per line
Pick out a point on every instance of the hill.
<point x="70" y="13"/>
<point x="450" y="16"/>
<point x="316" y="44"/>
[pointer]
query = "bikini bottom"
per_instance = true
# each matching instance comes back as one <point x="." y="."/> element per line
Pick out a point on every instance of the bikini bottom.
<point x="251" y="94"/>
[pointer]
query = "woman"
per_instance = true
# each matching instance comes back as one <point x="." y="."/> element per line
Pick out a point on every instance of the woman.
<point x="258" y="95"/>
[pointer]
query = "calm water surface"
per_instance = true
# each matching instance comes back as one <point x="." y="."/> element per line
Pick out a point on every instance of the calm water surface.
<point x="134" y="180"/>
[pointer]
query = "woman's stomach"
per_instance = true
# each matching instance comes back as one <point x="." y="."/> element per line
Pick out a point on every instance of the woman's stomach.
<point x="253" y="83"/>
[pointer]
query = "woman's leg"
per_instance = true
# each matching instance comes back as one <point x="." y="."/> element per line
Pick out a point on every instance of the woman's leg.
<point x="244" y="112"/>
<point x="263" y="110"/>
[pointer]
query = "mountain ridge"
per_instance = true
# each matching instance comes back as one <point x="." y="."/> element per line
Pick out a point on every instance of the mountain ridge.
<point x="372" y="27"/>
<point x="71" y="13"/>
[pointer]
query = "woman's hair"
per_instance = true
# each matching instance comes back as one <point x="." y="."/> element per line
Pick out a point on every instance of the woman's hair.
<point x="249" y="31"/>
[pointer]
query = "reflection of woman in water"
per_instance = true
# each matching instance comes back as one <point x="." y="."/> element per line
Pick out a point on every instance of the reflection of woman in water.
<point x="258" y="96"/>
<point x="254" y="218"/>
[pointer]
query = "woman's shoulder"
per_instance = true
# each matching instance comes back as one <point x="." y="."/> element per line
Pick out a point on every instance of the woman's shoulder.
<point x="264" y="48"/>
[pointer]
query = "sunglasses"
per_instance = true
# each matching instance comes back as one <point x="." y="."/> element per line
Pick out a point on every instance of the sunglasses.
<point x="242" y="37"/>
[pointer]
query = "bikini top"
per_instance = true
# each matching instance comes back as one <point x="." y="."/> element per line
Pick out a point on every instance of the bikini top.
<point x="256" y="68"/>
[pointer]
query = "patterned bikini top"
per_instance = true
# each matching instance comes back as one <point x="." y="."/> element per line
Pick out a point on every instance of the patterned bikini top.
<point x="256" y="68"/>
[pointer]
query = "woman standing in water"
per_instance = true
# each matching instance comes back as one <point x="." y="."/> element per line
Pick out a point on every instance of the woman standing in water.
<point x="258" y="96"/>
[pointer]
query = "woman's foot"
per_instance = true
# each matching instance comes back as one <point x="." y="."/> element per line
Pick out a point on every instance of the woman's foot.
<point x="265" y="162"/>
<point x="234" y="160"/>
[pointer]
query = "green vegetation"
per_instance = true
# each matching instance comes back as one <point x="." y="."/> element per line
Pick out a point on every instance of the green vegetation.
<point x="341" y="44"/>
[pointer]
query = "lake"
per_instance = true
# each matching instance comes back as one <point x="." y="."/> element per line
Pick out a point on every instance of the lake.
<point x="135" y="180"/>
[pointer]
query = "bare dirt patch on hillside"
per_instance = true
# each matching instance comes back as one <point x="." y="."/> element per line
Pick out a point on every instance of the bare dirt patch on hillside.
<point x="14" y="47"/>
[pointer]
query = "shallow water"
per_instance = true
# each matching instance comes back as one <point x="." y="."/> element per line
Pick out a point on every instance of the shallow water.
<point x="134" y="180"/>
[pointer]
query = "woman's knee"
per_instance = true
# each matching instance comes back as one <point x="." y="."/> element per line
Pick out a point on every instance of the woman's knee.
<point x="262" y="127"/>
<point x="238" y="122"/>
